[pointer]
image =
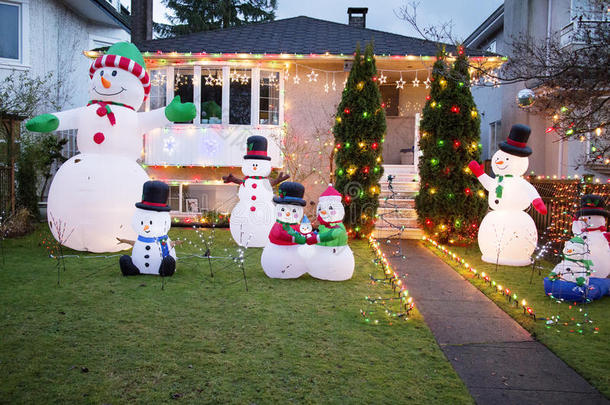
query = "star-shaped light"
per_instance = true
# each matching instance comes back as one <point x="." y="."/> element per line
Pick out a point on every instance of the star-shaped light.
<point x="400" y="83"/>
<point x="313" y="76"/>
<point x="382" y="78"/>
<point x="415" y="82"/>
<point x="296" y="79"/>
<point x="326" y="87"/>
<point x="234" y="76"/>
<point x="271" y="78"/>
<point x="334" y="85"/>
<point x="209" y="80"/>
<point x="427" y="83"/>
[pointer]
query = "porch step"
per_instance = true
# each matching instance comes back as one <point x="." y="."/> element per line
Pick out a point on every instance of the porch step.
<point x="396" y="202"/>
<point x="407" y="233"/>
<point x="396" y="212"/>
<point x="396" y="221"/>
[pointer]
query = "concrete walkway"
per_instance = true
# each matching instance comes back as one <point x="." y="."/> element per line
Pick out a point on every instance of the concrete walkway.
<point x="497" y="359"/>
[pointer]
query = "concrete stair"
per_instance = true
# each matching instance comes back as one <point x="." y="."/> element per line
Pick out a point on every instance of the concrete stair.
<point x="396" y="205"/>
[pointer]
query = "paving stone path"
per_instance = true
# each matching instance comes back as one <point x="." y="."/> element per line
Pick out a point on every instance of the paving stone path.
<point x="497" y="359"/>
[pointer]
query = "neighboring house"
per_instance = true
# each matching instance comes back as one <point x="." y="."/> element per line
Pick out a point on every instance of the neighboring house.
<point x="42" y="36"/>
<point x="541" y="19"/>
<point x="283" y="80"/>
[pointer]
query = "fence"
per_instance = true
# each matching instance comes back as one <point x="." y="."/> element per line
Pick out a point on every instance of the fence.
<point x="562" y="199"/>
<point x="7" y="191"/>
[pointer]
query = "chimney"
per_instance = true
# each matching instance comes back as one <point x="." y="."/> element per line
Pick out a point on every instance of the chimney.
<point x="357" y="16"/>
<point x="141" y="20"/>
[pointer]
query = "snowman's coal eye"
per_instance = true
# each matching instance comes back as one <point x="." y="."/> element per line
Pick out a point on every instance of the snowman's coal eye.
<point x="294" y="211"/>
<point x="114" y="73"/>
<point x="506" y="158"/>
<point x="151" y="222"/>
<point x="282" y="209"/>
<point x="141" y="222"/>
<point x="101" y="73"/>
<point x="330" y="207"/>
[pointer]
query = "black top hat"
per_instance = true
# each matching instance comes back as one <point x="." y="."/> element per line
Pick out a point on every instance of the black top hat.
<point x="154" y="196"/>
<point x="592" y="204"/>
<point x="516" y="144"/>
<point x="290" y="192"/>
<point x="256" y="148"/>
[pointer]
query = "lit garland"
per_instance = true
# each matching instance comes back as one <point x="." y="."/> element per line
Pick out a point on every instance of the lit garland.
<point x="401" y="294"/>
<point x="503" y="290"/>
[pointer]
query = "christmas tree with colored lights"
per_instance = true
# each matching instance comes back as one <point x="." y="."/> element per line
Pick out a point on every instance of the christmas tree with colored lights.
<point x="359" y="130"/>
<point x="450" y="203"/>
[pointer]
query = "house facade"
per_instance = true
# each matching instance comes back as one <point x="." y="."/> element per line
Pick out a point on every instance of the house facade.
<point x="283" y="80"/>
<point x="541" y="19"/>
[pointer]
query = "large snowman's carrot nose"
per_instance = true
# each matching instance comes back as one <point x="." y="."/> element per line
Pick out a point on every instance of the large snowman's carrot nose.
<point x="146" y="227"/>
<point x="105" y="83"/>
<point x="499" y="162"/>
<point x="323" y="212"/>
<point x="570" y="251"/>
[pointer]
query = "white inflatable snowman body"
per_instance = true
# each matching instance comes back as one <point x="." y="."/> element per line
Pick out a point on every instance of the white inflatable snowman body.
<point x="576" y="264"/>
<point x="332" y="258"/>
<point x="507" y="234"/>
<point x="280" y="258"/>
<point x="590" y="225"/>
<point x="254" y="214"/>
<point x="91" y="196"/>
<point x="153" y="251"/>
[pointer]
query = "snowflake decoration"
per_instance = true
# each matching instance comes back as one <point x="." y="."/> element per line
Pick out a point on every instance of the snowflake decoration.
<point x="400" y="83"/>
<point x="382" y="78"/>
<point x="169" y="145"/>
<point x="313" y="76"/>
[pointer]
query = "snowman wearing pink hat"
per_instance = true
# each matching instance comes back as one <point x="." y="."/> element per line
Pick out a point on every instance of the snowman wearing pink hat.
<point x="332" y="258"/>
<point x="92" y="194"/>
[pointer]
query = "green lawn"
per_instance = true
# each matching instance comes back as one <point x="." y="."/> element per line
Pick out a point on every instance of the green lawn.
<point x="587" y="353"/>
<point x="104" y="338"/>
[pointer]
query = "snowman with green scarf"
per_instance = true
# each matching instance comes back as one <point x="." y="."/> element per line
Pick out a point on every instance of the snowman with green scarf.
<point x="576" y="264"/>
<point x="91" y="196"/>
<point x="507" y="234"/>
<point x="332" y="258"/>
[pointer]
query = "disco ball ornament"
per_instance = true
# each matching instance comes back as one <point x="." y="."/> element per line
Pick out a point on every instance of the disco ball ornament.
<point x="525" y="98"/>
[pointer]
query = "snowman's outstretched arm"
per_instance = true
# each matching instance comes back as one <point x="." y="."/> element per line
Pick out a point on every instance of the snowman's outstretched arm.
<point x="535" y="199"/>
<point x="280" y="178"/>
<point x="127" y="241"/>
<point x="232" y="179"/>
<point x="57" y="121"/>
<point x="487" y="182"/>
<point x="176" y="111"/>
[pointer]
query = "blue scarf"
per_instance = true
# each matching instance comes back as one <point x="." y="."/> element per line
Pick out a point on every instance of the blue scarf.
<point x="160" y="239"/>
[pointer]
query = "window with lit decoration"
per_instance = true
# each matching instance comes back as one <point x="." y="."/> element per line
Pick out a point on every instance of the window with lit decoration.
<point x="211" y="96"/>
<point x="390" y="98"/>
<point x="240" y="96"/>
<point x="158" y="88"/>
<point x="183" y="84"/>
<point x="10" y="31"/>
<point x="269" y="110"/>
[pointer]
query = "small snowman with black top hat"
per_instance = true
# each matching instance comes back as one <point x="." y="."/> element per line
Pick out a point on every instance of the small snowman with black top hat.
<point x="253" y="216"/>
<point x="590" y="224"/>
<point x="507" y="234"/>
<point x="153" y="252"/>
<point x="280" y="258"/>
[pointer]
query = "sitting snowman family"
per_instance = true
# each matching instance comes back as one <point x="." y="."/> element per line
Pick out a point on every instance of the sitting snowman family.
<point x="294" y="249"/>
<point x="584" y="272"/>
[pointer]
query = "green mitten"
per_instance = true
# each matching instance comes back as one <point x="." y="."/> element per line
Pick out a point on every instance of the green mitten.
<point x="177" y="111"/>
<point x="300" y="239"/>
<point x="580" y="281"/>
<point x="43" y="123"/>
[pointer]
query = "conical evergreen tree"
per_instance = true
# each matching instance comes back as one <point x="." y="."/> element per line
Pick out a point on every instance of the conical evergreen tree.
<point x="451" y="202"/>
<point x="359" y="130"/>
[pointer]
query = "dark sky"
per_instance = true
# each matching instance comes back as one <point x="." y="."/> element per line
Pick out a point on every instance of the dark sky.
<point x="465" y="14"/>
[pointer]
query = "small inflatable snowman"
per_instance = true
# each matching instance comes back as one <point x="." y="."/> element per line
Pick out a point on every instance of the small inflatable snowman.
<point x="332" y="258"/>
<point x="153" y="252"/>
<point x="253" y="216"/>
<point x="576" y="265"/>
<point x="590" y="225"/>
<point x="92" y="193"/>
<point x="507" y="234"/>
<point x="280" y="258"/>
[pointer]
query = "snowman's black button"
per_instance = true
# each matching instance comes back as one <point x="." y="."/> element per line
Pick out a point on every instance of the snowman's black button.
<point x="147" y="247"/>
<point x="146" y="264"/>
<point x="497" y="201"/>
<point x="146" y="256"/>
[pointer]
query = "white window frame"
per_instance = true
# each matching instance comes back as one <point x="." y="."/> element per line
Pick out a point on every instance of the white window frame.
<point x="23" y="61"/>
<point x="494" y="136"/>
<point x="226" y="82"/>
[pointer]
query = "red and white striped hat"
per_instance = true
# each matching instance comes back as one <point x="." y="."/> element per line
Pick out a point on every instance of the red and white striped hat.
<point x="125" y="56"/>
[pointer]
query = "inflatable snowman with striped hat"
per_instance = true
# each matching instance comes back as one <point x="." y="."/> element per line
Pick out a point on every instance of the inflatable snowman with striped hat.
<point x="507" y="234"/>
<point x="590" y="224"/>
<point x="92" y="193"/>
<point x="332" y="258"/>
